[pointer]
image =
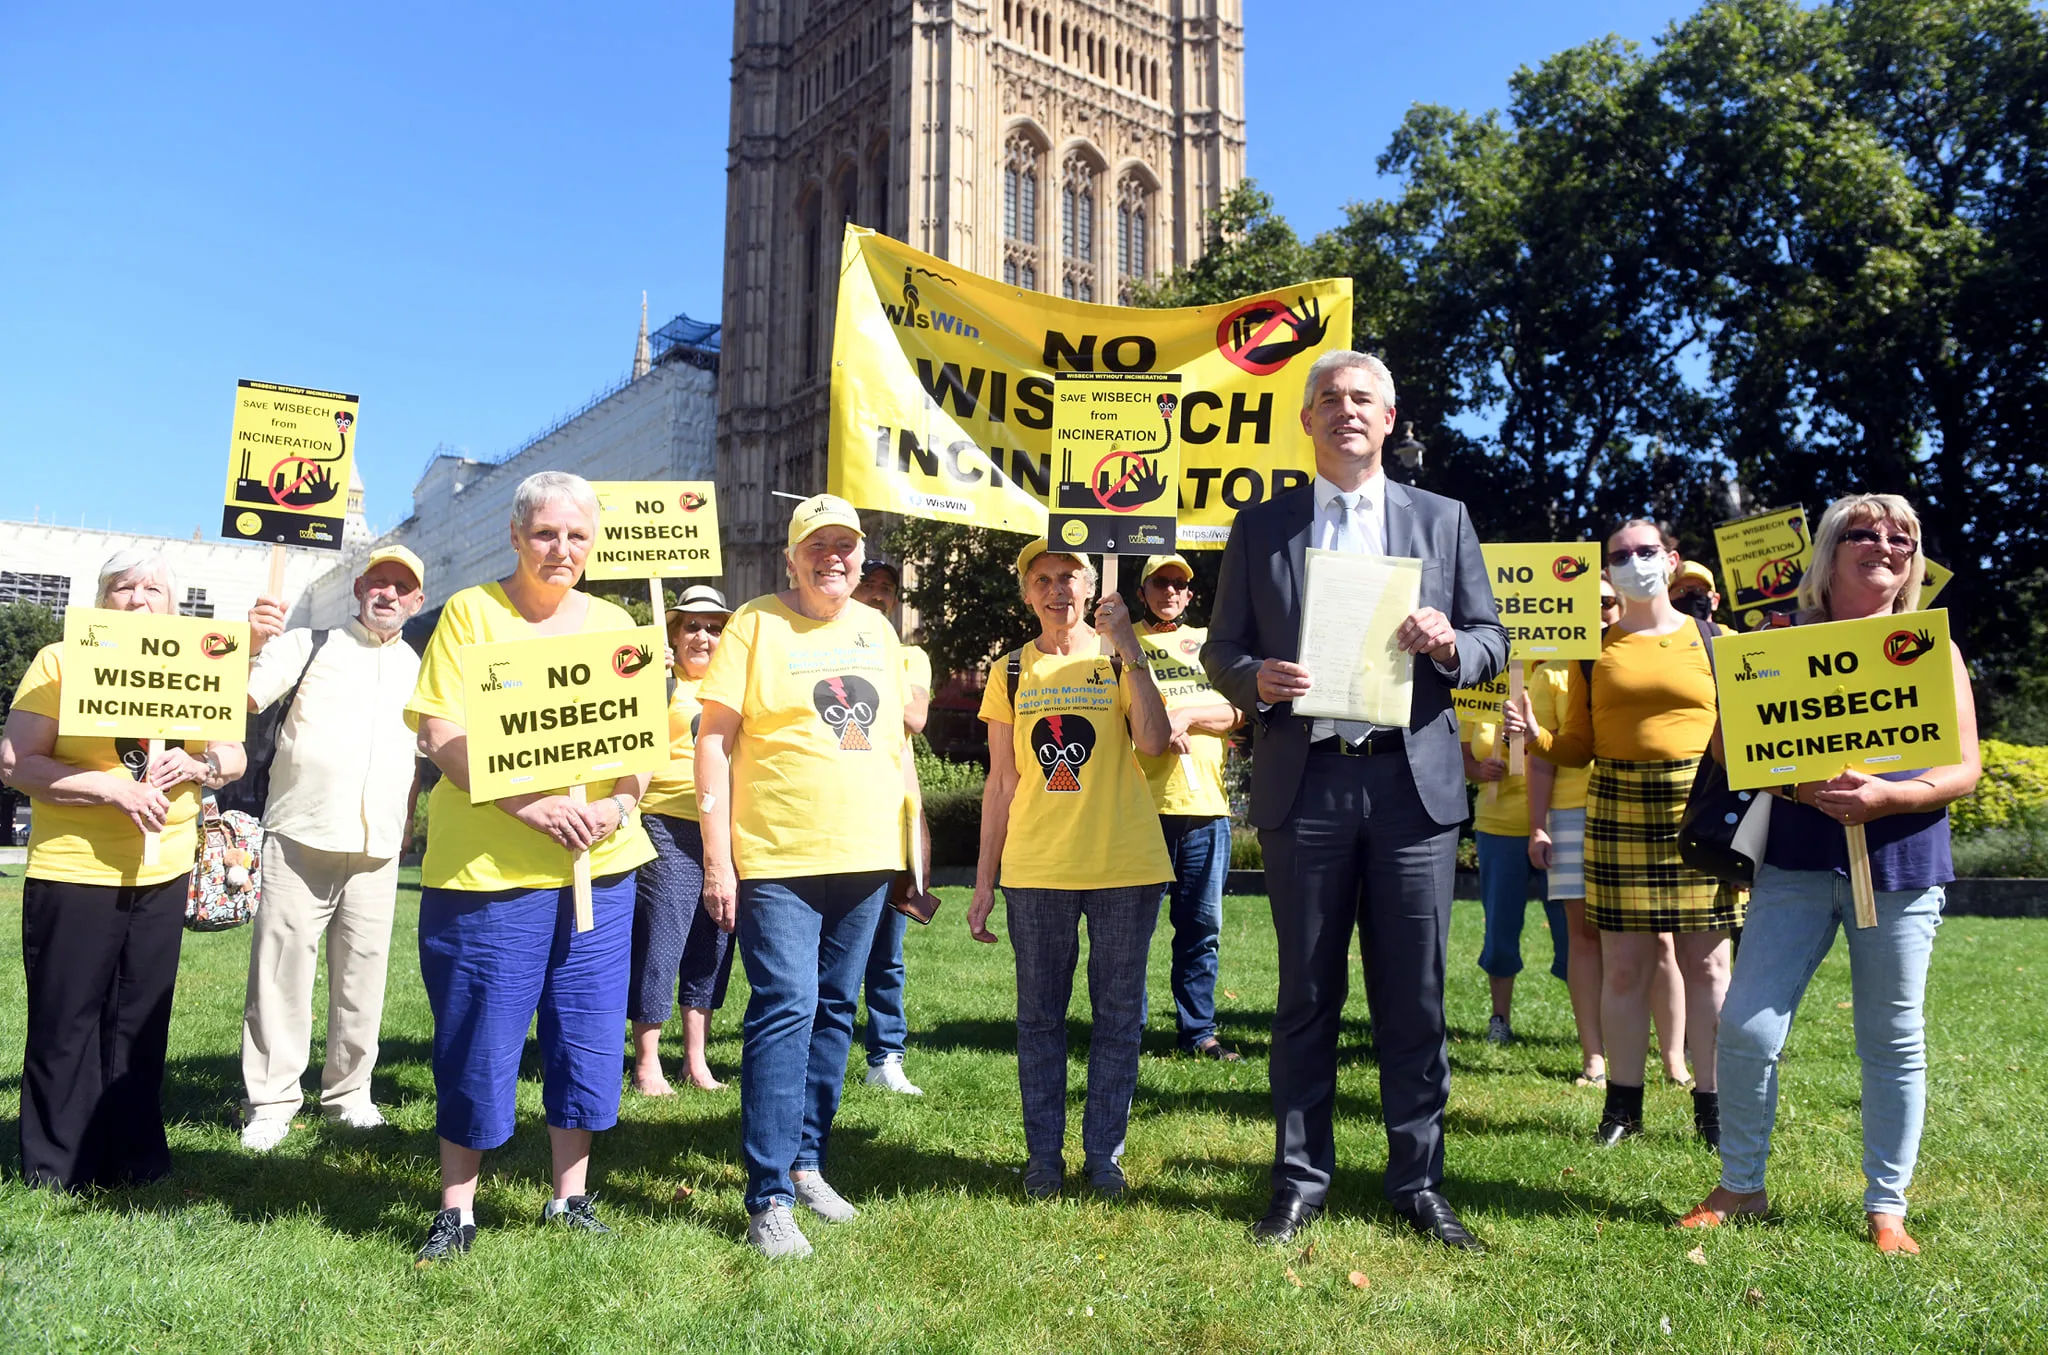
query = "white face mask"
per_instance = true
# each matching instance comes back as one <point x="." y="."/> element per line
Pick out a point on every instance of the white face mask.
<point x="1641" y="579"/>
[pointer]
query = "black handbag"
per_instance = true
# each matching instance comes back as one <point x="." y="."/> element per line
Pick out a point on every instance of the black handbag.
<point x="1722" y="832"/>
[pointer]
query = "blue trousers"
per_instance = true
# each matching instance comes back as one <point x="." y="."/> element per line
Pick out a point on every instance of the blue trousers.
<point x="490" y="961"/>
<point x="1506" y="883"/>
<point x="888" y="1030"/>
<point x="1199" y="849"/>
<point x="805" y="943"/>
<point x="1793" y="917"/>
<point x="679" y="953"/>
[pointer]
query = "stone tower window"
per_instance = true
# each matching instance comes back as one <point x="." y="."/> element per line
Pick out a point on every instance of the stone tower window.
<point x="1020" y="212"/>
<point x="1133" y="217"/>
<point x="1077" y="229"/>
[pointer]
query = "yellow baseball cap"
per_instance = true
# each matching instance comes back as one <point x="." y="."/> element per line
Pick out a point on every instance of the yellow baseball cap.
<point x="1039" y="547"/>
<point x="1155" y="563"/>
<point x="402" y="556"/>
<point x="1692" y="571"/>
<point x="822" y="510"/>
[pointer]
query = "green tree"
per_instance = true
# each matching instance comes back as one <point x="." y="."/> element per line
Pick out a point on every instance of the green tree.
<point x="25" y="628"/>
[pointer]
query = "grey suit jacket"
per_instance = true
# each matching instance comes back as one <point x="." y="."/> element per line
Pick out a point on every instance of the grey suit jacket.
<point x="1257" y="616"/>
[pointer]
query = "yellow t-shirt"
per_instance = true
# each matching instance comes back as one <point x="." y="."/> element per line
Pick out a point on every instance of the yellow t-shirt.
<point x="98" y="844"/>
<point x="1503" y="805"/>
<point x="480" y="847"/>
<point x="917" y="669"/>
<point x="1184" y="783"/>
<point x="817" y="767"/>
<point x="1082" y="815"/>
<point x="1652" y="700"/>
<point x="673" y="789"/>
<point x="1549" y="685"/>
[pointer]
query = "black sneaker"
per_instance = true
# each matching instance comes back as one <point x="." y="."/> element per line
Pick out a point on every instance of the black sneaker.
<point x="1106" y="1179"/>
<point x="1043" y="1177"/>
<point x="578" y="1212"/>
<point x="447" y="1236"/>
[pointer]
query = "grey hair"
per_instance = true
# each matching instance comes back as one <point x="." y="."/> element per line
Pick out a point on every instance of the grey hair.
<point x="542" y="488"/>
<point x="1087" y="572"/>
<point x="127" y="562"/>
<point x="1340" y="358"/>
<point x="1817" y="585"/>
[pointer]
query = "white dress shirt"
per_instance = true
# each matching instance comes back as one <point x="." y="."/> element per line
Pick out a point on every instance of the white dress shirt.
<point x="1368" y="536"/>
<point x="345" y="759"/>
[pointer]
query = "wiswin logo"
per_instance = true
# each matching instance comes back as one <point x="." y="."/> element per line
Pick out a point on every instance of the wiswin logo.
<point x="913" y="314"/>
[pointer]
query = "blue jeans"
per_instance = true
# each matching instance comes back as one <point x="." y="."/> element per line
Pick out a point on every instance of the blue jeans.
<point x="1199" y="849"/>
<point x="1045" y="934"/>
<point x="888" y="1030"/>
<point x="1506" y="880"/>
<point x="804" y="942"/>
<point x="1793" y="915"/>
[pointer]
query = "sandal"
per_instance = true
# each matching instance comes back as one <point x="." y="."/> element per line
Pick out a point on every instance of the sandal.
<point x="1703" y="1217"/>
<point x="1212" y="1048"/>
<point x="1888" y="1231"/>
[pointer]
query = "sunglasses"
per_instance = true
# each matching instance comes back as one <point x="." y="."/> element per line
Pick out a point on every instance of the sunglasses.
<point x="1617" y="558"/>
<point x="706" y="627"/>
<point x="1868" y="536"/>
<point x="1172" y="585"/>
<point x="1609" y="600"/>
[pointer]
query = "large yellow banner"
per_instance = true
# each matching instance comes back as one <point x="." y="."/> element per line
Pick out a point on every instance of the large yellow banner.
<point x="138" y="675"/>
<point x="1804" y="703"/>
<point x="289" y="454"/>
<point x="563" y="710"/>
<point x="942" y="389"/>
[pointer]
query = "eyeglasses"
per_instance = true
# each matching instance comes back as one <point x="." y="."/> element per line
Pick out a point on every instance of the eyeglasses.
<point x="1173" y="585"/>
<point x="1618" y="558"/>
<point x="706" y="627"/>
<point x="1869" y="536"/>
<point x="1609" y="600"/>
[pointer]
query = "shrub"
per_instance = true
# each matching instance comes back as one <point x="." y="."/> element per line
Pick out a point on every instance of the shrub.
<point x="954" y="817"/>
<point x="1245" y="853"/>
<point x="2018" y="849"/>
<point x="2015" y="780"/>
<point x="939" y="776"/>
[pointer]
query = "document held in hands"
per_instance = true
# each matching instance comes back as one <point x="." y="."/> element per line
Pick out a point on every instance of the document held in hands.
<point x="1351" y="607"/>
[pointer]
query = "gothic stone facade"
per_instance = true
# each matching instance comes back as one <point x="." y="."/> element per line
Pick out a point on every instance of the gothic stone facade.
<point x="1067" y="146"/>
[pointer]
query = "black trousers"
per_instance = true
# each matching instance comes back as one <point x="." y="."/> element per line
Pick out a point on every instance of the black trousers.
<point x="1360" y="849"/>
<point x="101" y="962"/>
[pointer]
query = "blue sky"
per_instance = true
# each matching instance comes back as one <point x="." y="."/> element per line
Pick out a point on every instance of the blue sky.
<point x="451" y="210"/>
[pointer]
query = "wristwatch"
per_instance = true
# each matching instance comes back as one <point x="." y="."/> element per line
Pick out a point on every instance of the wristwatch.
<point x="625" y="808"/>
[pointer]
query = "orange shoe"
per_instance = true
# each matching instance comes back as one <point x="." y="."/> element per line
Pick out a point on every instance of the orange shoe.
<point x="1703" y="1216"/>
<point x="1888" y="1231"/>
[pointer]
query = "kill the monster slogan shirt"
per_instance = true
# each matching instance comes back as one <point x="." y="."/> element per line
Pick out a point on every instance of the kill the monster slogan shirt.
<point x="817" y="767"/>
<point x="673" y="789"/>
<point x="99" y="844"/>
<point x="481" y="847"/>
<point x="1191" y="782"/>
<point x="1082" y="815"/>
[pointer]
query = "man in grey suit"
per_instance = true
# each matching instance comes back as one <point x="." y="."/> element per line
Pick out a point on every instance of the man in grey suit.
<point x="1358" y="823"/>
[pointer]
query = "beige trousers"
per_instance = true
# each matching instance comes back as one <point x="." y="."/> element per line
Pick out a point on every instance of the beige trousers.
<point x="308" y="894"/>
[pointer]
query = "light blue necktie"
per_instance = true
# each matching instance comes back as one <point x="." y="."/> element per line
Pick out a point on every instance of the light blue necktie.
<point x="1345" y="537"/>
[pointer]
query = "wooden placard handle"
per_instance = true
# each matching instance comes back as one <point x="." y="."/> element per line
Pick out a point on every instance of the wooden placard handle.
<point x="275" y="588"/>
<point x="153" y="843"/>
<point x="654" y="603"/>
<point x="1515" y="763"/>
<point x="1859" y="876"/>
<point x="585" y="920"/>
<point x="1108" y="587"/>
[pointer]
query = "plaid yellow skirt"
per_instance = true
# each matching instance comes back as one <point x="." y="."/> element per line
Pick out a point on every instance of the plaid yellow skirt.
<point x="1635" y="880"/>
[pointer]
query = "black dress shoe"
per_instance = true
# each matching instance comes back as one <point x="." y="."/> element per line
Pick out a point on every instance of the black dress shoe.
<point x="1287" y="1215"/>
<point x="1431" y="1215"/>
<point x="1613" y="1131"/>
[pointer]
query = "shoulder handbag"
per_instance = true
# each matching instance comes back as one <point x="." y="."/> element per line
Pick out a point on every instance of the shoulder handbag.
<point x="1723" y="831"/>
<point x="227" y="871"/>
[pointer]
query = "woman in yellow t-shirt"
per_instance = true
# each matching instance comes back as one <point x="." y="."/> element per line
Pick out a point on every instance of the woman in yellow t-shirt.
<point x="1644" y="722"/>
<point x="680" y="956"/>
<point x="1187" y="790"/>
<point x="100" y="930"/>
<point x="497" y="932"/>
<point x="801" y="791"/>
<point x="1074" y="835"/>
<point x="1500" y="828"/>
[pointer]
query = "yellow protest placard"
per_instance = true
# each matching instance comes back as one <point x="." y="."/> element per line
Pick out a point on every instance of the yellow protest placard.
<point x="1119" y="465"/>
<point x="655" y="529"/>
<point x="1481" y="703"/>
<point x="1763" y="558"/>
<point x="942" y="389"/>
<point x="289" y="454"/>
<point x="563" y="710"/>
<point x="1804" y="703"/>
<point x="1933" y="581"/>
<point x="138" y="675"/>
<point x="1549" y="596"/>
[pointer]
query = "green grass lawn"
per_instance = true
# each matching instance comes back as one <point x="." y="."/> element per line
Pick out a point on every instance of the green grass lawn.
<point x="311" y="1246"/>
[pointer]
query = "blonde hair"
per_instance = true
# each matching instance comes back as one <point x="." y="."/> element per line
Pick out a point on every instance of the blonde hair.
<point x="1816" y="586"/>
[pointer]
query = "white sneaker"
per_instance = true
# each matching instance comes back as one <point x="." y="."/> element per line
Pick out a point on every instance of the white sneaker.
<point x="358" y="1117"/>
<point x="828" y="1204"/>
<point x="260" y="1136"/>
<point x="889" y="1073"/>
<point x="774" y="1234"/>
